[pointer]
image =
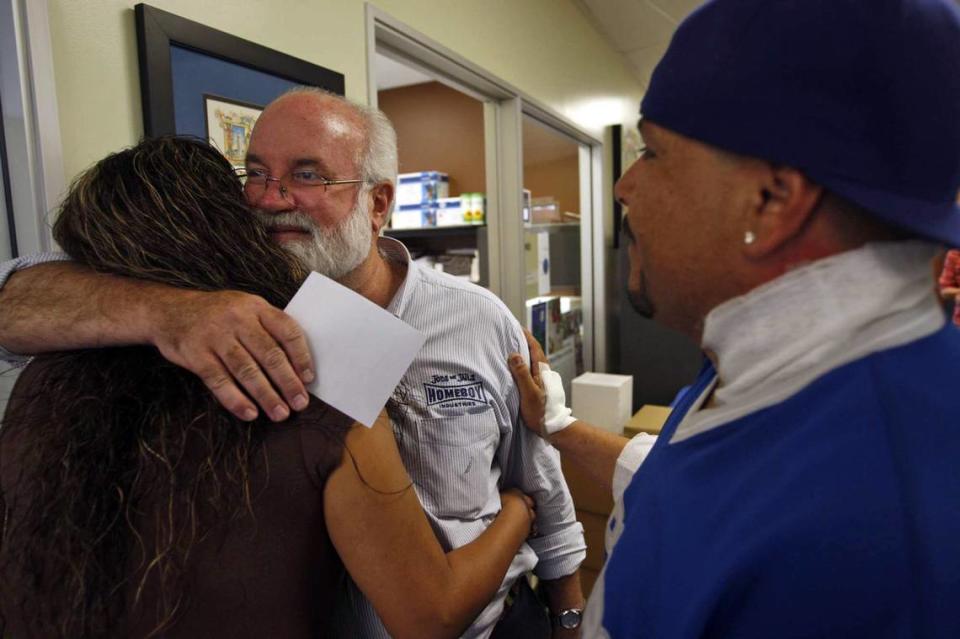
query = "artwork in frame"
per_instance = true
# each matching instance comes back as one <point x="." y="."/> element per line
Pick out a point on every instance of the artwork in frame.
<point x="229" y="125"/>
<point x="189" y="72"/>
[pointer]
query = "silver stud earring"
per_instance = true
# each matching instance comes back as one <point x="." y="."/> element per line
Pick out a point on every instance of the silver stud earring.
<point x="749" y="237"/>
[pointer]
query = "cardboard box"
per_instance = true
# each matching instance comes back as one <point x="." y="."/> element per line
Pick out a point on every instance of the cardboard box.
<point x="588" y="577"/>
<point x="587" y="494"/>
<point x="603" y="400"/>
<point x="649" y="419"/>
<point x="594" y="529"/>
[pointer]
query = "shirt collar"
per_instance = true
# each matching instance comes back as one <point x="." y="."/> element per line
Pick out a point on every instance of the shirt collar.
<point x="780" y="336"/>
<point x="395" y="250"/>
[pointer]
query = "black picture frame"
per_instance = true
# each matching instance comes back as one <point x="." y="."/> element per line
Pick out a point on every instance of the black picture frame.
<point x="7" y="189"/>
<point x="617" y="150"/>
<point x="158" y="31"/>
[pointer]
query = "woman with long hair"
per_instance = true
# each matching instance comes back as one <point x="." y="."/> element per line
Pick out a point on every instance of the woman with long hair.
<point x="133" y="505"/>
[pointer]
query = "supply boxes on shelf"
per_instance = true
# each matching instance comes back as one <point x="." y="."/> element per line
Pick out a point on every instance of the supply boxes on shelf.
<point x="474" y="208"/>
<point x="468" y="208"/>
<point x="423" y="201"/>
<point x="414" y="216"/>
<point x="447" y="211"/>
<point x="425" y="186"/>
<point x="450" y="211"/>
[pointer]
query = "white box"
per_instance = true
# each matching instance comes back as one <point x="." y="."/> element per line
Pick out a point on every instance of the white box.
<point x="603" y="400"/>
<point x="450" y="212"/>
<point x="426" y="186"/>
<point x="413" y="216"/>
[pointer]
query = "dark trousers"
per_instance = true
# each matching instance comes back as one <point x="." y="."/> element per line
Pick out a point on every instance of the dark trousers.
<point x="524" y="617"/>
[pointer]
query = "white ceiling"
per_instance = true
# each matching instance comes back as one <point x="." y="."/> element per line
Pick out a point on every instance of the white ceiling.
<point x="639" y="30"/>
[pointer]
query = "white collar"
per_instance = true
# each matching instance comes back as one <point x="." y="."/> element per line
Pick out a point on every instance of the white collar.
<point x="781" y="336"/>
<point x="395" y="250"/>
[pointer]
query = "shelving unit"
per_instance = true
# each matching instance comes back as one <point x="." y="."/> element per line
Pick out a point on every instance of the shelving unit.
<point x="556" y="227"/>
<point x="555" y="282"/>
<point x="470" y="230"/>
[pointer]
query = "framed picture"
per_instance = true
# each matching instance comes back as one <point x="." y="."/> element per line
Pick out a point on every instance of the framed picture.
<point x="229" y="125"/>
<point x="195" y="80"/>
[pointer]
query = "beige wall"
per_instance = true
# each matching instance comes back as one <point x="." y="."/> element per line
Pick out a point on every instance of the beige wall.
<point x="544" y="47"/>
<point x="438" y="129"/>
<point x="559" y="179"/>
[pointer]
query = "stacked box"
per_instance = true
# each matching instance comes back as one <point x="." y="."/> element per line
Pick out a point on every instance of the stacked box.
<point x="414" y="216"/>
<point x="450" y="211"/>
<point x="418" y="188"/>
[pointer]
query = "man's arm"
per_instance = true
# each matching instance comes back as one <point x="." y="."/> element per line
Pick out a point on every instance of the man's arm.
<point x="609" y="460"/>
<point x="563" y="594"/>
<point x="535" y="469"/>
<point x="595" y="451"/>
<point x="231" y="340"/>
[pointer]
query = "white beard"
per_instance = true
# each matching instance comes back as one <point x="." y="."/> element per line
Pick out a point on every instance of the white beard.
<point x="333" y="252"/>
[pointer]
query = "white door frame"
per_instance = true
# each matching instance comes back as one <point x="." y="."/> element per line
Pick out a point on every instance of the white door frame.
<point x="31" y="122"/>
<point x="504" y="106"/>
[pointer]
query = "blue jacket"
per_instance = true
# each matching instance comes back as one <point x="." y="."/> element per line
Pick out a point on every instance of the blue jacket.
<point x="835" y="513"/>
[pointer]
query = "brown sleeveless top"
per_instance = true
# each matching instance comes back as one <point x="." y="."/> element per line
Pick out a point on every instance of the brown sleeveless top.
<point x="270" y="575"/>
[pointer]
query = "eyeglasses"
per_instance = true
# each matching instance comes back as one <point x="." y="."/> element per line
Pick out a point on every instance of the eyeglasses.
<point x="256" y="181"/>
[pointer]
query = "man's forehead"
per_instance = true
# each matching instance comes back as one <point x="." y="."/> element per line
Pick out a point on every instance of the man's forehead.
<point x="649" y="130"/>
<point x="307" y="114"/>
<point x="305" y="131"/>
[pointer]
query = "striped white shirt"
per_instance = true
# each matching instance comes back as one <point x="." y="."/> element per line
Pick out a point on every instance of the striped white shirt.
<point x="461" y="439"/>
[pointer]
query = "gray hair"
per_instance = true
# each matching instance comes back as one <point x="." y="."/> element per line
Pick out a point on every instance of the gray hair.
<point x="377" y="161"/>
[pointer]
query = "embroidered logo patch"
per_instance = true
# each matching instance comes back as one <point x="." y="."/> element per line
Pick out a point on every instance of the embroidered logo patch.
<point x="463" y="389"/>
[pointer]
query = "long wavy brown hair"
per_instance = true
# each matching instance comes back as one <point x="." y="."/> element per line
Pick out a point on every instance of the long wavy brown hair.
<point x="118" y="437"/>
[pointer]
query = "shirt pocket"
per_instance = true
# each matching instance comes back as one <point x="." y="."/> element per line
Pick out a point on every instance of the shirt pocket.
<point x="454" y="459"/>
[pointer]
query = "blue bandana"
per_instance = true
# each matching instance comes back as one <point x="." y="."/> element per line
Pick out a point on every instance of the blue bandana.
<point x="861" y="95"/>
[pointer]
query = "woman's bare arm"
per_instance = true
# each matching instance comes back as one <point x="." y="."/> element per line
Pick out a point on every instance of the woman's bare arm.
<point x="379" y="529"/>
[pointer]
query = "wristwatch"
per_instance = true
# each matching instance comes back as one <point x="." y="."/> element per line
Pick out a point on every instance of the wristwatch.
<point x="568" y="619"/>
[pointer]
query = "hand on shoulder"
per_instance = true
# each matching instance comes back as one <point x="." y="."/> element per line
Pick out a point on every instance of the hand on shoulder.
<point x="240" y="346"/>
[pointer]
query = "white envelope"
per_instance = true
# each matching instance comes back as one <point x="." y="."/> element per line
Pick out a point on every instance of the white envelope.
<point x="360" y="351"/>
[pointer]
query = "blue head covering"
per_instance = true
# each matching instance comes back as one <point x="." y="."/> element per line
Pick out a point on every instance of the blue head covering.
<point x="861" y="95"/>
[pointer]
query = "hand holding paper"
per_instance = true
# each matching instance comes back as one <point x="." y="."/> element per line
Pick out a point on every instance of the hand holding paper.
<point x="360" y="350"/>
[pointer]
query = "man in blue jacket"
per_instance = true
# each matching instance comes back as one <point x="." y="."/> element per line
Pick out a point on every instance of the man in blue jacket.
<point x="801" y="166"/>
